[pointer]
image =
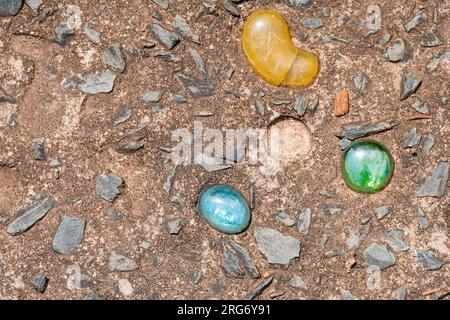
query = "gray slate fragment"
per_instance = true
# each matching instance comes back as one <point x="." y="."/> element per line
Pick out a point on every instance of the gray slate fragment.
<point x="122" y="115"/>
<point x="394" y="239"/>
<point x="342" y="19"/>
<point x="231" y="8"/>
<point x="38" y="148"/>
<point x="118" y="262"/>
<point x="28" y="216"/>
<point x="397" y="51"/>
<point x="408" y="85"/>
<point x="39" y="282"/>
<point x="383" y="211"/>
<point x="92" y="34"/>
<point x="361" y="82"/>
<point x="437" y="60"/>
<point x="423" y="224"/>
<point x="420" y="106"/>
<point x="130" y="147"/>
<point x="436" y="184"/>
<point x="162" y="3"/>
<point x="412" y="138"/>
<point x="93" y="83"/>
<point x="168" y="184"/>
<point x="10" y="7"/>
<point x="359" y="130"/>
<point x="107" y="186"/>
<point x="180" y="25"/>
<point x="399" y="294"/>
<point x="419" y="18"/>
<point x="167" y="38"/>
<point x="69" y="234"/>
<point x="428" y="143"/>
<point x="300" y="106"/>
<point x="356" y="237"/>
<point x="197" y="87"/>
<point x="296" y="282"/>
<point x="344" y="143"/>
<point x="34" y="4"/>
<point x="431" y="38"/>
<point x="428" y="260"/>
<point x="378" y="255"/>
<point x="178" y="98"/>
<point x="277" y="248"/>
<point x="304" y="221"/>
<point x="331" y="208"/>
<point x="347" y="295"/>
<point x="5" y="98"/>
<point x="198" y="60"/>
<point x="152" y="96"/>
<point x="175" y="225"/>
<point x="312" y="23"/>
<point x="384" y="39"/>
<point x="300" y="4"/>
<point x="114" y="58"/>
<point x="284" y="218"/>
<point x="256" y="291"/>
<point x="64" y="33"/>
<point x="236" y="262"/>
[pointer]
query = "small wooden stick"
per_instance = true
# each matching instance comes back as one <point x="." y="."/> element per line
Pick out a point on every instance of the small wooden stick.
<point x="341" y="105"/>
<point x="430" y="291"/>
<point x="419" y="117"/>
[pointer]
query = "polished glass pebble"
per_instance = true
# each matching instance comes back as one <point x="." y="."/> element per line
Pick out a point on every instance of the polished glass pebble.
<point x="269" y="50"/>
<point x="224" y="208"/>
<point x="367" y="166"/>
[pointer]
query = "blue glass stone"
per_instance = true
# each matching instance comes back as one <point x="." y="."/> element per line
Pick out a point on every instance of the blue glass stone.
<point x="224" y="208"/>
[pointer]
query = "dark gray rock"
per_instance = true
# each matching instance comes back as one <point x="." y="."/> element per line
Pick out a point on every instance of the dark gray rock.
<point x="284" y="218"/>
<point x="260" y="287"/>
<point x="114" y="58"/>
<point x="38" y="148"/>
<point x="167" y="56"/>
<point x="428" y="143"/>
<point x="399" y="294"/>
<point x="129" y="147"/>
<point x="64" y="33"/>
<point x="411" y="138"/>
<point x="107" y="186"/>
<point x="436" y="184"/>
<point x="231" y="8"/>
<point x="356" y="237"/>
<point x="162" y="3"/>
<point x="196" y="87"/>
<point x="236" y="261"/>
<point x="423" y="224"/>
<point x="383" y="211"/>
<point x="359" y="130"/>
<point x="361" y="82"/>
<point x="167" y="38"/>
<point x="39" y="282"/>
<point x="394" y="239"/>
<point x="69" y="234"/>
<point x="198" y="60"/>
<point x="397" y="51"/>
<point x="437" y="60"/>
<point x="408" y="85"/>
<point x="420" y="106"/>
<point x="332" y="208"/>
<point x="180" y="25"/>
<point x="118" y="262"/>
<point x="431" y="38"/>
<point x="175" y="225"/>
<point x="153" y="96"/>
<point x="277" y="248"/>
<point x="428" y="260"/>
<point x="92" y="34"/>
<point x="5" y="98"/>
<point x="280" y="102"/>
<point x="296" y="282"/>
<point x="10" y="7"/>
<point x="300" y="106"/>
<point x="419" y="18"/>
<point x="93" y="83"/>
<point x="113" y="214"/>
<point x="300" y="3"/>
<point x="122" y="115"/>
<point x="178" y="98"/>
<point x="304" y="221"/>
<point x="378" y="255"/>
<point x="312" y="23"/>
<point x="384" y="39"/>
<point x="365" y="219"/>
<point x="167" y="186"/>
<point x="28" y="216"/>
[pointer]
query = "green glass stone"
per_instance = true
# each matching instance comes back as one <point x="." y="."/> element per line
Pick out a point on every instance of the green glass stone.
<point x="367" y="166"/>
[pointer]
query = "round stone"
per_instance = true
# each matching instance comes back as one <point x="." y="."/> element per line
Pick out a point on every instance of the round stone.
<point x="367" y="166"/>
<point x="224" y="208"/>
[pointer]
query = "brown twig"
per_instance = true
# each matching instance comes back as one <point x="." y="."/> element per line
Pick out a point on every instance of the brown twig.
<point x="341" y="105"/>
<point x="419" y="117"/>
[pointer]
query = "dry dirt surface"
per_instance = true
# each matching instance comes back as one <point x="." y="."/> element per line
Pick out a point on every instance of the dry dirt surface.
<point x="58" y="139"/>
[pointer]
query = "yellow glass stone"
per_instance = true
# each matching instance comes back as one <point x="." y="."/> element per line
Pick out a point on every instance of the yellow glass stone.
<point x="269" y="50"/>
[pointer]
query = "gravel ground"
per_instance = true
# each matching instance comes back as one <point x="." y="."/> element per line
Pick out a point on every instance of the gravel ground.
<point x="92" y="207"/>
